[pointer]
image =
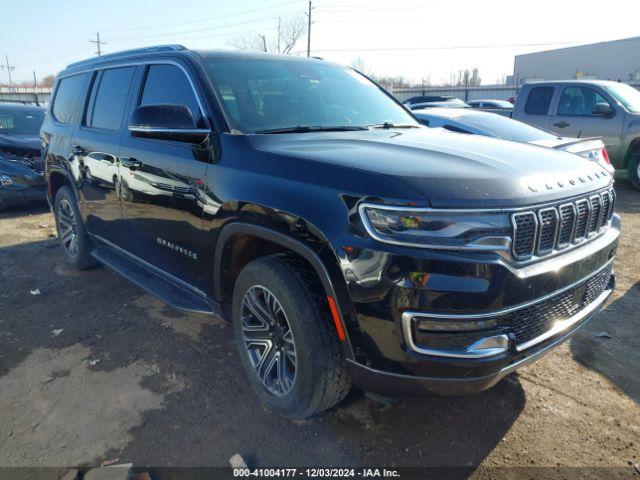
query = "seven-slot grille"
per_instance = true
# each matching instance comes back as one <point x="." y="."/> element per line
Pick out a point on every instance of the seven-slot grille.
<point x="539" y="232"/>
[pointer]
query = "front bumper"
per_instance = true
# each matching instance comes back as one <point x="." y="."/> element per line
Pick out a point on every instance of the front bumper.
<point x="393" y="292"/>
<point x="392" y="384"/>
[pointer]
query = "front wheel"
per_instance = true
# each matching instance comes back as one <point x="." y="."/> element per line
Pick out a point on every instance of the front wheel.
<point x="286" y="339"/>
<point x="633" y="170"/>
<point x="71" y="232"/>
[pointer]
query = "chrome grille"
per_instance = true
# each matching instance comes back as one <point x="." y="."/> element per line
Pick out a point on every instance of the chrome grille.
<point x="524" y="238"/>
<point x="584" y="208"/>
<point x="606" y="207"/>
<point x="548" y="228"/>
<point x="596" y="210"/>
<point x="567" y="223"/>
<point x="541" y="231"/>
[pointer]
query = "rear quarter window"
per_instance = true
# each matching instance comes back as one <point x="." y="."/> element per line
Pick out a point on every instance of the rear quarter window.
<point x="539" y="100"/>
<point x="68" y="98"/>
<point x="108" y="98"/>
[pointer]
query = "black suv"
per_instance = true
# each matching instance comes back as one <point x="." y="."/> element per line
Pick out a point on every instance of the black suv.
<point x="344" y="241"/>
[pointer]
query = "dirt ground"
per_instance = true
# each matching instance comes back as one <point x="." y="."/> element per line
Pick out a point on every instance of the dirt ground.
<point x="92" y="368"/>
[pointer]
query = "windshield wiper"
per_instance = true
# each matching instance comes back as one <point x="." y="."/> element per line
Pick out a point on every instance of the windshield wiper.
<point x="388" y="125"/>
<point x="309" y="128"/>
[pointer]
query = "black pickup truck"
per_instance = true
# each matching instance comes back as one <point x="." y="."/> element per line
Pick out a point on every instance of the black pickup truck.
<point x="346" y="243"/>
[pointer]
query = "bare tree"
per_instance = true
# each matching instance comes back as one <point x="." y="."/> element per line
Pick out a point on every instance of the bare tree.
<point x="288" y="32"/>
<point x="461" y="78"/>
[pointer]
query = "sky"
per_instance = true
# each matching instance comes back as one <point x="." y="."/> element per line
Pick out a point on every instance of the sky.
<point x="416" y="39"/>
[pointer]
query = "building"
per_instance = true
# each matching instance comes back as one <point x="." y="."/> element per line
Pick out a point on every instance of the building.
<point x="618" y="60"/>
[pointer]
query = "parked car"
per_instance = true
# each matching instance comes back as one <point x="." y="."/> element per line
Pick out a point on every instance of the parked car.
<point x="502" y="107"/>
<point x="448" y="103"/>
<point x="426" y="99"/>
<point x="483" y="123"/>
<point x="587" y="108"/>
<point x="21" y="167"/>
<point x="345" y="242"/>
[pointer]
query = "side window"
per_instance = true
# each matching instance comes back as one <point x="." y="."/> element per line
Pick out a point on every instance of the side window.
<point x="67" y="99"/>
<point x="168" y="84"/>
<point x="539" y="100"/>
<point x="108" y="98"/>
<point x="579" y="101"/>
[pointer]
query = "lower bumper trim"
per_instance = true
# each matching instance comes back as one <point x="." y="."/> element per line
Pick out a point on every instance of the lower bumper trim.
<point x="395" y="384"/>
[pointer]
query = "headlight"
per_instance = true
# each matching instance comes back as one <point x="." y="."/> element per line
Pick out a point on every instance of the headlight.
<point x="5" y="180"/>
<point x="479" y="230"/>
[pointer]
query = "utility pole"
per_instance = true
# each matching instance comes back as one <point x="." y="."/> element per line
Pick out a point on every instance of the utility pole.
<point x="35" y="88"/>
<point x="98" y="43"/>
<point x="8" y="67"/>
<point x="309" y="31"/>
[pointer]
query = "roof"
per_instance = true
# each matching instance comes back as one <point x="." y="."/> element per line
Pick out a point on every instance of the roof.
<point x="163" y="49"/>
<point x="586" y="82"/>
<point x="608" y="43"/>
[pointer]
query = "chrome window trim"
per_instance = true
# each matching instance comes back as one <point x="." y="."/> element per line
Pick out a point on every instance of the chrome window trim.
<point x="143" y="129"/>
<point x="158" y="61"/>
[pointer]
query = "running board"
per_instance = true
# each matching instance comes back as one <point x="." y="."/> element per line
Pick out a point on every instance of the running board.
<point x="171" y="292"/>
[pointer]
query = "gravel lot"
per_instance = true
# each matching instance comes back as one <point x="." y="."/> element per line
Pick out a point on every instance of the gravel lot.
<point x="92" y="368"/>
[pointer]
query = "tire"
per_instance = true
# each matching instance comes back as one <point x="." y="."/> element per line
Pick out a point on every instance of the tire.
<point x="633" y="170"/>
<point x="320" y="377"/>
<point x="71" y="230"/>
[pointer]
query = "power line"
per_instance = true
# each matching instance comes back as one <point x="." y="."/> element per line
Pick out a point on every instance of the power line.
<point x="202" y="20"/>
<point x="452" y="47"/>
<point x="98" y="43"/>
<point x="166" y="34"/>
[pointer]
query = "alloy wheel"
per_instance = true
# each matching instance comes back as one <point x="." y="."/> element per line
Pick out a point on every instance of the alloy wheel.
<point x="268" y="340"/>
<point x="67" y="227"/>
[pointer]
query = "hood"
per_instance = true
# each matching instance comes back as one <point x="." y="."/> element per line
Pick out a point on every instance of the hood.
<point x="448" y="169"/>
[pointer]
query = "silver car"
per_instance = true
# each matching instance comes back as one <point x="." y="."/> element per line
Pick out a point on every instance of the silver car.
<point x="587" y="108"/>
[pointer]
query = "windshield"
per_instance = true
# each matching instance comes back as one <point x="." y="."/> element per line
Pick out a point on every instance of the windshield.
<point x="21" y="122"/>
<point x="628" y="96"/>
<point x="270" y="94"/>
<point x="498" y="126"/>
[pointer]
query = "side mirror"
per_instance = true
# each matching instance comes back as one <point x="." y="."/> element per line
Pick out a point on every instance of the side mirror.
<point x="603" y="109"/>
<point x="166" y="122"/>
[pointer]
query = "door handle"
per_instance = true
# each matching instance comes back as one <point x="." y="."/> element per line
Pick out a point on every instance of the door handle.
<point x="561" y="124"/>
<point x="130" y="163"/>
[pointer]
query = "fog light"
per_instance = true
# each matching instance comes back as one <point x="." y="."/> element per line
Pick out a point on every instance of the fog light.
<point x="5" y="181"/>
<point x="431" y="325"/>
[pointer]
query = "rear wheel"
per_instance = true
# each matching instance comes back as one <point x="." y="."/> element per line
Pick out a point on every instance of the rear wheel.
<point x="285" y="338"/>
<point x="71" y="231"/>
<point x="633" y="170"/>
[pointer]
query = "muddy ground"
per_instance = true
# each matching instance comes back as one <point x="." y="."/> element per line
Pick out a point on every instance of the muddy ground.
<point x="92" y="368"/>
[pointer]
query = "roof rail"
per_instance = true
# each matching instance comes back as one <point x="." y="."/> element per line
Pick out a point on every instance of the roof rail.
<point x="126" y="53"/>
